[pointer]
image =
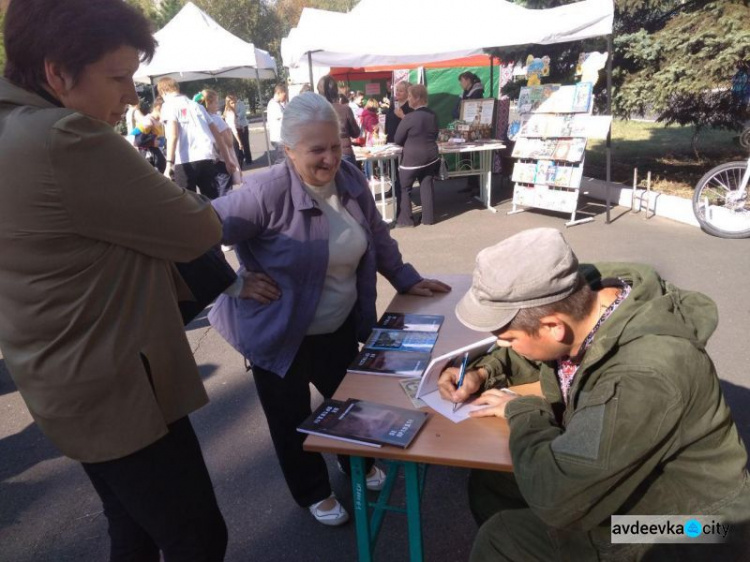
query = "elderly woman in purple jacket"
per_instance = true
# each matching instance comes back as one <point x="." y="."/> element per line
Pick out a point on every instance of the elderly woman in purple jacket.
<point x="311" y="242"/>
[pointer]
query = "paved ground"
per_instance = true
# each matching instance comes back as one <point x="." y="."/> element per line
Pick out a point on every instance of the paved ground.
<point x="49" y="512"/>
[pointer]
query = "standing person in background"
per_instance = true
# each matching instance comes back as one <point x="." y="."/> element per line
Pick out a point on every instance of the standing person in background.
<point x="349" y="128"/>
<point x="398" y="108"/>
<point x="420" y="159"/>
<point x="190" y="141"/>
<point x="274" y="114"/>
<point x="151" y="125"/>
<point x="243" y="131"/>
<point x="370" y="126"/>
<point x="91" y="332"/>
<point x="230" y="116"/>
<point x="472" y="90"/>
<point x="223" y="178"/>
<point x="355" y="104"/>
<point x="132" y="116"/>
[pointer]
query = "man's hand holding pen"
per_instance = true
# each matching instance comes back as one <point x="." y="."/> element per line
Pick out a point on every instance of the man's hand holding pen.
<point x="495" y="399"/>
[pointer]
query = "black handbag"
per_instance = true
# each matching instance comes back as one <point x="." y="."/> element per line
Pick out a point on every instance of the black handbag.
<point x="207" y="276"/>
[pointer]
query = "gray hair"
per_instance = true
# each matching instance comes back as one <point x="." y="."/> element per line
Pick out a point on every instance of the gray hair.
<point x="303" y="109"/>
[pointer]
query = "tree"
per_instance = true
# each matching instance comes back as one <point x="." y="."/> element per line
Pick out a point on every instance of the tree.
<point x="672" y="58"/>
<point x="2" y="43"/>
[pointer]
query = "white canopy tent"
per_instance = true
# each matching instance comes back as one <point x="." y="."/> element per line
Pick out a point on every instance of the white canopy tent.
<point x="192" y="46"/>
<point x="454" y="30"/>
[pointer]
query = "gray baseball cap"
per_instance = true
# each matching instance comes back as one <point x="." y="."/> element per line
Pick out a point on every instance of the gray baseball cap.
<point x="532" y="268"/>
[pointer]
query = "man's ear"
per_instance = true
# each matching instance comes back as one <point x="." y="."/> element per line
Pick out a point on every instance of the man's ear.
<point x="555" y="327"/>
<point x="58" y="78"/>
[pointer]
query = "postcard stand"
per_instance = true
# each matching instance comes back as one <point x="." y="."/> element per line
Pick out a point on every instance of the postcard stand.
<point x="552" y="127"/>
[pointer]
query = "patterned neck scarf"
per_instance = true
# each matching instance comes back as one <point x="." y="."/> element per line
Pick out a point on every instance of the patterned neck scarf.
<point x="567" y="367"/>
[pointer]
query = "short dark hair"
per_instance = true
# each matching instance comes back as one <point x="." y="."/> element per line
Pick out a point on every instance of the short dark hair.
<point x="470" y="76"/>
<point x="328" y="88"/>
<point x="73" y="33"/>
<point x="576" y="305"/>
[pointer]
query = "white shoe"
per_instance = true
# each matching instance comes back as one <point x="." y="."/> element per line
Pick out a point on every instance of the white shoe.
<point x="226" y="248"/>
<point x="375" y="479"/>
<point x="334" y="517"/>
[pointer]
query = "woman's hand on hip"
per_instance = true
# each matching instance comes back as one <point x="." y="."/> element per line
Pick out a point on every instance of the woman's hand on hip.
<point x="259" y="287"/>
<point x="427" y="287"/>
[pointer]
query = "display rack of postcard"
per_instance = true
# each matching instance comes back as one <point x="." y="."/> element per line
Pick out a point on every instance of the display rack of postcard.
<point x="552" y="125"/>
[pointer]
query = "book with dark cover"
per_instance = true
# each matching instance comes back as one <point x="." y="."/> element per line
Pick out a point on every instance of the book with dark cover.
<point x="399" y="340"/>
<point x="410" y="322"/>
<point x="379" y="423"/>
<point x="391" y="363"/>
<point x="324" y="421"/>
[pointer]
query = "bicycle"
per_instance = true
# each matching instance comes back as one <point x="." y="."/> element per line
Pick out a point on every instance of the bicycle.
<point x="721" y="202"/>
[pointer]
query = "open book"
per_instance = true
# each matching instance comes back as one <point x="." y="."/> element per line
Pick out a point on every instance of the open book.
<point x="428" y="386"/>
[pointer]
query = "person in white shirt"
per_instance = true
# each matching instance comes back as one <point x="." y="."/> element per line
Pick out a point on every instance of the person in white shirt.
<point x="224" y="180"/>
<point x="274" y="113"/>
<point x="190" y="136"/>
<point x="231" y="118"/>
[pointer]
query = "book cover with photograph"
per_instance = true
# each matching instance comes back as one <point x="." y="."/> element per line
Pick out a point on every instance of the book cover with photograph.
<point x="399" y="340"/>
<point x="325" y="420"/>
<point x="378" y="423"/>
<point x="390" y="363"/>
<point x="410" y="322"/>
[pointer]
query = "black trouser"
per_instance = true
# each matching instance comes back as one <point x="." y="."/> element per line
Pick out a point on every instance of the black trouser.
<point x="245" y="142"/>
<point x="223" y="179"/>
<point x="161" y="498"/>
<point x="425" y="177"/>
<point x="321" y="360"/>
<point x="199" y="174"/>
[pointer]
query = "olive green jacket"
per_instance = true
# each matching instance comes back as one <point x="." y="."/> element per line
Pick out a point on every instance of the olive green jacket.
<point x="645" y="431"/>
<point x="90" y="328"/>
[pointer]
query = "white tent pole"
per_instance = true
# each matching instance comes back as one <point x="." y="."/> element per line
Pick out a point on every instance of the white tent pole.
<point x="610" y="54"/>
<point x="263" y="113"/>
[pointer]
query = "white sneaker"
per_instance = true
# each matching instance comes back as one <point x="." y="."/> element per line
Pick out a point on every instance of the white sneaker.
<point x="375" y="479"/>
<point x="334" y="517"/>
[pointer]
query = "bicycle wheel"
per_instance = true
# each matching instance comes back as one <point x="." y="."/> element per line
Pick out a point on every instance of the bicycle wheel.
<point x="721" y="207"/>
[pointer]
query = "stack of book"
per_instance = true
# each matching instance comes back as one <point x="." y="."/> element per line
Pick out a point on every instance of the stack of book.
<point x="400" y="345"/>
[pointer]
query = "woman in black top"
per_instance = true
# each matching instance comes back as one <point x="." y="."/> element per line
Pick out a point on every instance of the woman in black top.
<point x="349" y="129"/>
<point x="472" y="90"/>
<point x="420" y="160"/>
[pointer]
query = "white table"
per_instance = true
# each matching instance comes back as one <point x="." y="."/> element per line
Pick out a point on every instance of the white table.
<point x="387" y="157"/>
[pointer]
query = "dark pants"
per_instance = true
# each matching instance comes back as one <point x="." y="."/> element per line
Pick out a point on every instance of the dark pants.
<point x="200" y="174"/>
<point x="277" y="152"/>
<point x="159" y="160"/>
<point x="321" y="360"/>
<point x="223" y="179"/>
<point x="243" y="132"/>
<point x="425" y="178"/>
<point x="511" y="532"/>
<point x="161" y="498"/>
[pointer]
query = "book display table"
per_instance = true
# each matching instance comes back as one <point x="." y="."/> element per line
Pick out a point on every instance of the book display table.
<point x="474" y="443"/>
<point x="385" y="161"/>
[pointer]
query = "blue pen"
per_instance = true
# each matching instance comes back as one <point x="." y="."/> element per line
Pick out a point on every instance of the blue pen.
<point x="461" y="373"/>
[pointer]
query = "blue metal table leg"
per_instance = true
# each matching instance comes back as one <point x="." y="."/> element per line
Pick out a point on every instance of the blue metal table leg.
<point x="361" y="518"/>
<point x="413" y="514"/>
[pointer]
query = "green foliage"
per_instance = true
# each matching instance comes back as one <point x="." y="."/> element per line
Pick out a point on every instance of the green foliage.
<point x="2" y="44"/>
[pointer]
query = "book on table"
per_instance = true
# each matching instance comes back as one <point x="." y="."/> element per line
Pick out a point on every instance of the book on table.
<point x="401" y="340"/>
<point x="365" y="423"/>
<point x="410" y="322"/>
<point x="391" y="363"/>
